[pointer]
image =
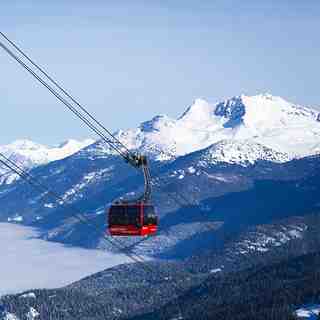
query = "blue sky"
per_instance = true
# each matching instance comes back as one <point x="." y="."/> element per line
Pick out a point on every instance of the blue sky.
<point x="127" y="61"/>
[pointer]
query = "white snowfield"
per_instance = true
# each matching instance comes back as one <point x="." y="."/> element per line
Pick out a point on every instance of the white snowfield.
<point x="244" y="128"/>
<point x="27" y="262"/>
<point x="28" y="154"/>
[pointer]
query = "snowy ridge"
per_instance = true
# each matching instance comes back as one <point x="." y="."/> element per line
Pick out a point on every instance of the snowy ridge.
<point x="28" y="154"/>
<point x="291" y="131"/>
<point x="241" y="152"/>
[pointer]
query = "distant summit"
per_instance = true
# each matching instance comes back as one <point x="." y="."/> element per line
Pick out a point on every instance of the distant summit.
<point x="28" y="154"/>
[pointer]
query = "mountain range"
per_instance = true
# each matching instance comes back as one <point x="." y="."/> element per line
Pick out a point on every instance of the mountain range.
<point x="239" y="128"/>
<point x="236" y="186"/>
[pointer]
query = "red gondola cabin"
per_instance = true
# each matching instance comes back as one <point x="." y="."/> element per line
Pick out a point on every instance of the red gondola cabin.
<point x="132" y="219"/>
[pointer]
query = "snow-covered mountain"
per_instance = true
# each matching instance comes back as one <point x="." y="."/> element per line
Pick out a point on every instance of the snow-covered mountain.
<point x="291" y="131"/>
<point x="240" y="130"/>
<point x="231" y="190"/>
<point x="28" y="154"/>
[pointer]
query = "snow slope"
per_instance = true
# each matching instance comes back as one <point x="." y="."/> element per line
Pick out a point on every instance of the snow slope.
<point x="28" y="154"/>
<point x="264" y="119"/>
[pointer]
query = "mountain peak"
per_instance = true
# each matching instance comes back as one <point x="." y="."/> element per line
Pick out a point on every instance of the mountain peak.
<point x="156" y="123"/>
<point x="199" y="111"/>
<point x="262" y="111"/>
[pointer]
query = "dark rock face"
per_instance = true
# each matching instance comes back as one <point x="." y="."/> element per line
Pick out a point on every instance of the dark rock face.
<point x="233" y="109"/>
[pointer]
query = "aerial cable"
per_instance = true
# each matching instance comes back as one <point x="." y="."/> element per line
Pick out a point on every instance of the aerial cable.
<point x="134" y="159"/>
<point x="77" y="113"/>
<point x="63" y="90"/>
<point x="114" y="143"/>
<point x="86" y="121"/>
<point x="64" y="101"/>
<point x="72" y="108"/>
